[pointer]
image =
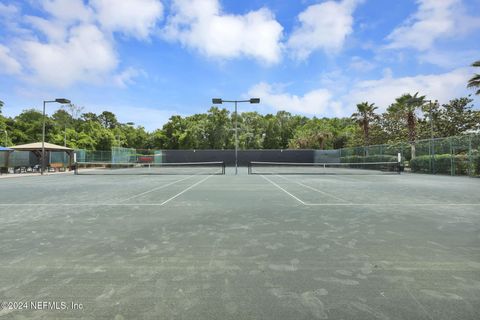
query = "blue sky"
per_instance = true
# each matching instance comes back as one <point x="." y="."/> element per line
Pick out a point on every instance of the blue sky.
<point x="146" y="60"/>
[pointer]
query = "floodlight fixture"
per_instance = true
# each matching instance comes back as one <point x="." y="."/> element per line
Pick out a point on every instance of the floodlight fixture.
<point x="62" y="101"/>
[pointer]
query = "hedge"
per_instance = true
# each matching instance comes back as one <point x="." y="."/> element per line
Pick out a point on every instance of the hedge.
<point x="373" y="158"/>
<point x="443" y="164"/>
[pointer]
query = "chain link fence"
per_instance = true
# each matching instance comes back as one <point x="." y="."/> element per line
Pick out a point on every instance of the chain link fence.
<point x="456" y="156"/>
<point x="459" y="155"/>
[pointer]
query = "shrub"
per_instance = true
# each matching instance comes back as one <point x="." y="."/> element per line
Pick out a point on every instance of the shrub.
<point x="443" y="164"/>
<point x="373" y="158"/>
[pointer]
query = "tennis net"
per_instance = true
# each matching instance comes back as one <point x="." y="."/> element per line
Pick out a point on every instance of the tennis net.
<point x="187" y="168"/>
<point x="365" y="168"/>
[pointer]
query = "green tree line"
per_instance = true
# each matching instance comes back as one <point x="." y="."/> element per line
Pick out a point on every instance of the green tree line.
<point x="407" y="119"/>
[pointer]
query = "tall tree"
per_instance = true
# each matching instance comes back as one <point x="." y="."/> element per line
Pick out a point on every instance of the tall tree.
<point x="315" y="134"/>
<point x="29" y="122"/>
<point x="406" y="106"/>
<point x="251" y="133"/>
<point x="62" y="118"/>
<point x="217" y="126"/>
<point x="474" y="82"/>
<point x="90" y="116"/>
<point x="173" y="131"/>
<point x="453" y="118"/>
<point x="364" y="116"/>
<point x="108" y="119"/>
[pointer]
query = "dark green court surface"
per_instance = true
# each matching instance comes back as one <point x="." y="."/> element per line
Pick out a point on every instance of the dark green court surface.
<point x="240" y="247"/>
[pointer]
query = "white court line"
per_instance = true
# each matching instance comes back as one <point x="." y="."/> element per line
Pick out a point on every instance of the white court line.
<point x="276" y="185"/>
<point x="395" y="204"/>
<point x="314" y="189"/>
<point x="306" y="204"/>
<point x="156" y="188"/>
<point x="373" y="204"/>
<point x="182" y="192"/>
<point x="104" y="204"/>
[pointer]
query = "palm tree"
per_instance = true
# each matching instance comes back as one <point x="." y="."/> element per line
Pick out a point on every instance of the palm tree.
<point x="406" y="106"/>
<point x="321" y="138"/>
<point x="364" y="116"/>
<point x="475" y="81"/>
<point x="309" y="139"/>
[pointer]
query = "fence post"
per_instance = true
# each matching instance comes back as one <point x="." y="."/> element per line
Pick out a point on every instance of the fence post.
<point x="452" y="158"/>
<point x="430" y="152"/>
<point x="470" y="159"/>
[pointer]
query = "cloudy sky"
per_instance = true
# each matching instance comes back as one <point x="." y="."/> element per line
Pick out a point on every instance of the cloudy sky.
<point x="146" y="60"/>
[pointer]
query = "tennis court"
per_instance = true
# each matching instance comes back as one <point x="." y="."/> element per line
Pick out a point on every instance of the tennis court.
<point x="260" y="246"/>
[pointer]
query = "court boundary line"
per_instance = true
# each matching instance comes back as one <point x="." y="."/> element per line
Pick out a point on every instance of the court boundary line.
<point x="156" y="188"/>
<point x="106" y="204"/>
<point x="394" y="204"/>
<point x="291" y="195"/>
<point x="182" y="192"/>
<point x="314" y="189"/>
<point x="350" y="204"/>
<point x="306" y="204"/>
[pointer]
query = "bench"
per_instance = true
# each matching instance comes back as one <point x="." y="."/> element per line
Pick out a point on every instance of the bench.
<point x="57" y="166"/>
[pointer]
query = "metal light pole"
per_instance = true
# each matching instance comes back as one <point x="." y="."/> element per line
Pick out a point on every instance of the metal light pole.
<point x="59" y="100"/>
<point x="236" y="139"/>
<point x="65" y="136"/>
<point x="432" y="135"/>
<point x="220" y="101"/>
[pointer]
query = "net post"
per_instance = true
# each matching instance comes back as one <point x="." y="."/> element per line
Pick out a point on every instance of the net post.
<point x="223" y="167"/>
<point x="75" y="168"/>
<point x="399" y="162"/>
<point x="250" y="167"/>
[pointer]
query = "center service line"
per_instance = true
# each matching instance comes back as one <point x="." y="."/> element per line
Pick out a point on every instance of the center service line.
<point x="314" y="189"/>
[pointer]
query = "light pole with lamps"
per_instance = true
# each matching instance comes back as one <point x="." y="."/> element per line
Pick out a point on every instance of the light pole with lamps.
<point x="59" y="100"/>
<point x="220" y="101"/>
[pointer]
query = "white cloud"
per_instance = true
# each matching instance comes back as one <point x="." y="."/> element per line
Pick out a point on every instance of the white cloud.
<point x="448" y="58"/>
<point x="323" y="26"/>
<point x="315" y="102"/>
<point x="10" y="21"/>
<point x="201" y="25"/>
<point x="137" y="18"/>
<point x="383" y="92"/>
<point x="329" y="101"/>
<point x="70" y="11"/>
<point x="53" y="30"/>
<point x="8" y="64"/>
<point x="361" y="65"/>
<point x="74" y="42"/>
<point x="7" y="10"/>
<point x="433" y="20"/>
<point x="126" y="77"/>
<point x="85" y="56"/>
